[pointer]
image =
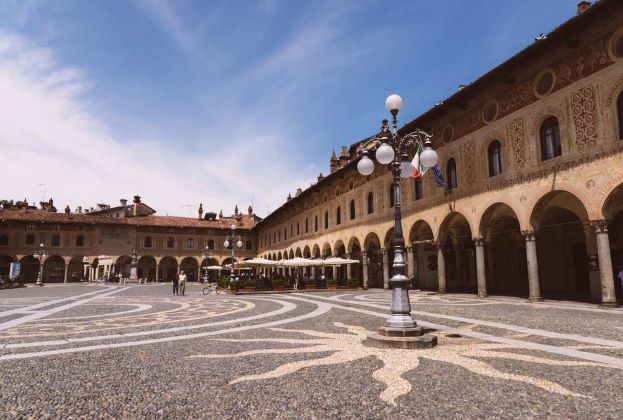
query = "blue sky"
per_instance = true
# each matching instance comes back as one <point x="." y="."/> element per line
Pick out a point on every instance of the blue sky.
<point x="225" y="102"/>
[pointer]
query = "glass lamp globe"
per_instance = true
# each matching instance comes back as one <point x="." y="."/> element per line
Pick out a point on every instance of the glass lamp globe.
<point x="226" y="244"/>
<point x="384" y="154"/>
<point x="428" y="157"/>
<point x="393" y="103"/>
<point x="233" y="227"/>
<point x="406" y="169"/>
<point x="239" y="244"/>
<point x="365" y="166"/>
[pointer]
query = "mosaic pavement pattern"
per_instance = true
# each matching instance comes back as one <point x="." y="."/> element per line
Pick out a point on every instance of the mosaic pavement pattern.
<point x="136" y="351"/>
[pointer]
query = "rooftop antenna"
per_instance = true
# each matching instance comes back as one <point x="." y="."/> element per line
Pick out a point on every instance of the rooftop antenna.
<point x="190" y="208"/>
<point x="252" y="200"/>
<point x="43" y="190"/>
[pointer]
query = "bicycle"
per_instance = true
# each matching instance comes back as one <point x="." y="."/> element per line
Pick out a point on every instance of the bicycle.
<point x="212" y="288"/>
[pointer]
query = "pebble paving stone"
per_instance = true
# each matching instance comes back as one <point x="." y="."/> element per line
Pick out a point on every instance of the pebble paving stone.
<point x="178" y="357"/>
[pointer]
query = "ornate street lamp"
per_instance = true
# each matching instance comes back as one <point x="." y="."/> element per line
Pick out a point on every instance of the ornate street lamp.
<point x="41" y="254"/>
<point x="235" y="241"/>
<point x="134" y="266"/>
<point x="206" y="256"/>
<point x="86" y="274"/>
<point x="391" y="149"/>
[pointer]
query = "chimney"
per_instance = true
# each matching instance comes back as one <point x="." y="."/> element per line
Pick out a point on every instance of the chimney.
<point x="79" y="209"/>
<point x="200" y="211"/>
<point x="250" y="211"/>
<point x="582" y="6"/>
<point x="320" y="177"/>
<point x="236" y="210"/>
<point x="67" y="209"/>
<point x="289" y="197"/>
<point x="299" y="191"/>
<point x="123" y="202"/>
<point x="136" y="202"/>
<point x="344" y="158"/>
<point x="220" y="214"/>
<point x="334" y="163"/>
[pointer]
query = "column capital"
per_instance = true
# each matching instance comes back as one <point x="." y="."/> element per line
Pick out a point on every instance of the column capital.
<point x="364" y="254"/>
<point x="529" y="235"/>
<point x="600" y="226"/>
<point x="479" y="241"/>
<point x="384" y="251"/>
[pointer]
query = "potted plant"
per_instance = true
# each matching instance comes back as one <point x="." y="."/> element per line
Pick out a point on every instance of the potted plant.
<point x="279" y="284"/>
<point x="352" y="283"/>
<point x="250" y="285"/>
<point x="331" y="284"/>
<point x="234" y="285"/>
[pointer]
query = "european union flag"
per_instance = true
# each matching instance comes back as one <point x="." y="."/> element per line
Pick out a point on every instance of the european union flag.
<point x="439" y="181"/>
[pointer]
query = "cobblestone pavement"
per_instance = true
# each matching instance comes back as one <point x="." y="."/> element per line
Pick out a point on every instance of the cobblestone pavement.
<point x="86" y="351"/>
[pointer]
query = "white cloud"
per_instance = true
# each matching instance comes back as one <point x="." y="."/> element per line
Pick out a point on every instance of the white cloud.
<point x="48" y="134"/>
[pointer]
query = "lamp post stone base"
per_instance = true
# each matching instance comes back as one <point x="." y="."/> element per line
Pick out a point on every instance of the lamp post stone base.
<point x="402" y="338"/>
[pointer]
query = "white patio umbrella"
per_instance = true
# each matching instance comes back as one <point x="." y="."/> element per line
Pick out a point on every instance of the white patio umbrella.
<point x="298" y="262"/>
<point x="339" y="261"/>
<point x="257" y="262"/>
<point x="214" y="267"/>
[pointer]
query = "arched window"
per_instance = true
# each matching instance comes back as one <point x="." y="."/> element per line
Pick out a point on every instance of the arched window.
<point x="620" y="114"/>
<point x="338" y="216"/>
<point x="370" y="202"/>
<point x="210" y="244"/>
<point x="291" y="230"/>
<point x="306" y="225"/>
<point x="352" y="209"/>
<point x="451" y="180"/>
<point x="316" y="224"/>
<point x="170" y="243"/>
<point x="189" y="244"/>
<point x="285" y="234"/>
<point x="418" y="192"/>
<point x="550" y="139"/>
<point x="298" y="228"/>
<point x="4" y="239"/>
<point x="326" y="220"/>
<point x="56" y="240"/>
<point x="392" y="196"/>
<point x="249" y="245"/>
<point x="494" y="155"/>
<point x="30" y="239"/>
<point x="80" y="240"/>
<point x="147" y="242"/>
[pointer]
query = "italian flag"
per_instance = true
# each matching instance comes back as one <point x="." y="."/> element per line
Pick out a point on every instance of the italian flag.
<point x="418" y="169"/>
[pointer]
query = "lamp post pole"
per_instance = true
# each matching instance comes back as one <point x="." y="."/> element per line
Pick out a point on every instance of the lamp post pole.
<point x="235" y="241"/>
<point x="206" y="256"/>
<point x="41" y="254"/>
<point x="400" y="329"/>
<point x="134" y="266"/>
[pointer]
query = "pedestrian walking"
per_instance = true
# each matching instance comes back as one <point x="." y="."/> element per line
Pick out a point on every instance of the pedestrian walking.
<point x="175" y="286"/>
<point x="182" y="282"/>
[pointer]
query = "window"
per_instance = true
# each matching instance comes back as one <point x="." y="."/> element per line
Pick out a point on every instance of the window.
<point x="352" y="209"/>
<point x="620" y="113"/>
<point x="147" y="242"/>
<point x="392" y="196"/>
<point x="170" y="243"/>
<point x="338" y="216"/>
<point x="418" y="193"/>
<point x="30" y="239"/>
<point x="4" y="239"/>
<point x="279" y="236"/>
<point x="249" y="245"/>
<point x="56" y="240"/>
<point x="494" y="154"/>
<point x="80" y="240"/>
<point x="210" y="243"/>
<point x="316" y="224"/>
<point x="306" y="225"/>
<point x="451" y="175"/>
<point x="550" y="139"/>
<point x="370" y="203"/>
<point x="291" y="230"/>
<point x="326" y="220"/>
<point x="189" y="244"/>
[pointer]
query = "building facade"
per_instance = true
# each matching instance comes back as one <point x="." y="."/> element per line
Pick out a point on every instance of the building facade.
<point x="532" y="155"/>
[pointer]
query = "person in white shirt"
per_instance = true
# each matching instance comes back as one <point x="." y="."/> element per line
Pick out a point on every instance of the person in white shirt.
<point x="182" y="282"/>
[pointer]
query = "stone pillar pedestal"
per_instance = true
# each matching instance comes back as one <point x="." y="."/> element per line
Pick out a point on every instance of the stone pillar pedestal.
<point x="364" y="257"/>
<point x="441" y="269"/>
<point x="385" y="269"/>
<point x="608" y="294"/>
<point x="133" y="274"/>
<point x="533" y="266"/>
<point x="481" y="275"/>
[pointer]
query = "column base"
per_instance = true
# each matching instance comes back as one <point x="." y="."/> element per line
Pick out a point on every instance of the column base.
<point x="535" y="299"/>
<point x="483" y="295"/>
<point x="610" y="305"/>
<point x="401" y="338"/>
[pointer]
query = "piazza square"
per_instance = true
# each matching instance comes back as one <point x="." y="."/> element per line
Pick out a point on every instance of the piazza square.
<point x="463" y="262"/>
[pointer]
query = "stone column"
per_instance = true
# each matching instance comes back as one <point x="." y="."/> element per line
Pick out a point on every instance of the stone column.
<point x="364" y="258"/>
<point x="385" y="269"/>
<point x="199" y="279"/>
<point x="410" y="265"/>
<point x="66" y="273"/>
<point x="608" y="294"/>
<point x="481" y="274"/>
<point x="441" y="269"/>
<point x="533" y="266"/>
<point x="157" y="267"/>
<point x="334" y="272"/>
<point x="349" y="270"/>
